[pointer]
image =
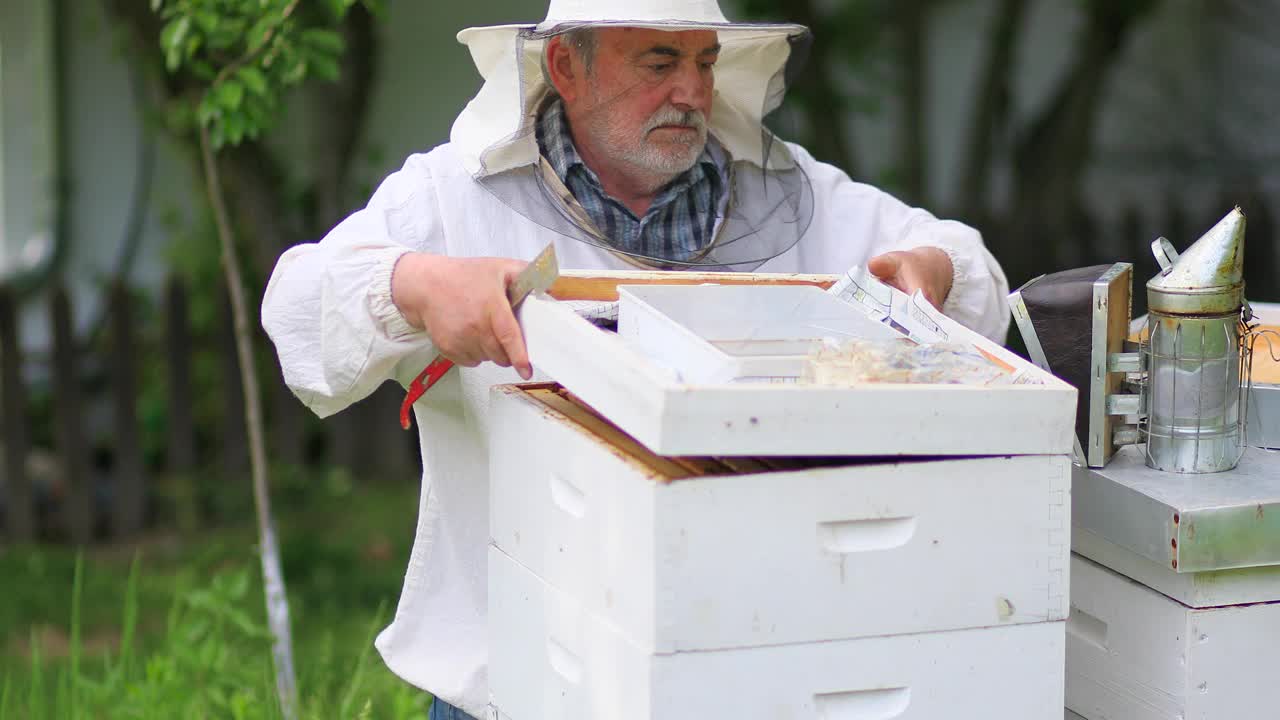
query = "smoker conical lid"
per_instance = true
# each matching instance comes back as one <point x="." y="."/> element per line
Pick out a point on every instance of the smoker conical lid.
<point x="1209" y="277"/>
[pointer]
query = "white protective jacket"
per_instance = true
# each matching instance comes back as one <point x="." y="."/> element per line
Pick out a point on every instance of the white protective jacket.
<point x="328" y="310"/>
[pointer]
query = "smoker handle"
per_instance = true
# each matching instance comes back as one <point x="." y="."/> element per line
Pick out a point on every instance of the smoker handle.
<point x="1165" y="254"/>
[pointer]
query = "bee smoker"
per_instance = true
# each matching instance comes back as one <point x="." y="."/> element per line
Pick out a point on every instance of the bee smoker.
<point x="1179" y="389"/>
<point x="1194" y="351"/>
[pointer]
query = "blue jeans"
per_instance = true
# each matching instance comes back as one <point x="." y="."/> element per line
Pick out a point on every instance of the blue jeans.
<point x="441" y="710"/>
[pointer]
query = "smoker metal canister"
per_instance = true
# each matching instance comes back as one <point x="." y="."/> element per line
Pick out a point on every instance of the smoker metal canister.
<point x="1195" y="401"/>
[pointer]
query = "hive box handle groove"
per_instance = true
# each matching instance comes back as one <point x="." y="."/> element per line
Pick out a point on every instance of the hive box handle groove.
<point x="852" y="536"/>
<point x="883" y="704"/>
<point x="567" y="496"/>
<point x="566" y="664"/>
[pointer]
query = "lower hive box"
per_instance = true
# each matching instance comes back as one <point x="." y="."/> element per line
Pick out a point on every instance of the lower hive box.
<point x="552" y="659"/>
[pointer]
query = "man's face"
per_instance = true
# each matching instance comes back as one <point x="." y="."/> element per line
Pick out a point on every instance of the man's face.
<point x="647" y="99"/>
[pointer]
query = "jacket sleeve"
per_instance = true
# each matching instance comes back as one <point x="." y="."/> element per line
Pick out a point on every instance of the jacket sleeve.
<point x="328" y="306"/>
<point x="849" y="209"/>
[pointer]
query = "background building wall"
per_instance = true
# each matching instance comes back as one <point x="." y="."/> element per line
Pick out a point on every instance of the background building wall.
<point x="26" y="135"/>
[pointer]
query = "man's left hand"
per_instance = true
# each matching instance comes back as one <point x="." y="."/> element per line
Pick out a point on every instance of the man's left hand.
<point x="924" y="268"/>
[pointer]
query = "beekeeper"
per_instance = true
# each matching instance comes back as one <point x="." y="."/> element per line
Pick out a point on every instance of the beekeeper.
<point x="629" y="134"/>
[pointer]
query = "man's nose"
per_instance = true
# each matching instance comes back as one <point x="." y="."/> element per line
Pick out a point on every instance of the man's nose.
<point x="691" y="87"/>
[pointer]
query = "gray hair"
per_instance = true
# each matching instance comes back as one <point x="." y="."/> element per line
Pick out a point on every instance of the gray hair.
<point x="583" y="41"/>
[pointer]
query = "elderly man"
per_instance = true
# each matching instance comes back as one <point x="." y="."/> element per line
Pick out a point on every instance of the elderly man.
<point x="627" y="134"/>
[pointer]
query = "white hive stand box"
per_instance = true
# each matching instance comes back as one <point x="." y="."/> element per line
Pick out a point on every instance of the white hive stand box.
<point x="1175" y="596"/>
<point x="1135" y="653"/>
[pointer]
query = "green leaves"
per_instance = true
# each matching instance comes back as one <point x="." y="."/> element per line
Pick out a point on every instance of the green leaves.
<point x="263" y="28"/>
<point x="321" y="41"/>
<point x="248" y="54"/>
<point x="254" y="79"/>
<point x="228" y="94"/>
<point x="173" y="42"/>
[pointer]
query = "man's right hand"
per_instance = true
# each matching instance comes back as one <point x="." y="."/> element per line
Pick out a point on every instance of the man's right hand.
<point x="462" y="304"/>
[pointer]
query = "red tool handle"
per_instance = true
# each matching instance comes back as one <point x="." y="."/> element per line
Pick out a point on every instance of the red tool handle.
<point x="422" y="384"/>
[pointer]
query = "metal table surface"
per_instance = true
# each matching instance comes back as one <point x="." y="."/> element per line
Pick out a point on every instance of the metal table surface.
<point x="1190" y="523"/>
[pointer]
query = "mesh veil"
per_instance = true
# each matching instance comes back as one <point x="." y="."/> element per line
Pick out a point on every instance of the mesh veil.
<point x="768" y="200"/>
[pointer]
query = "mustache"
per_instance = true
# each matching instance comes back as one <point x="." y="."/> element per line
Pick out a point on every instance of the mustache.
<point x="669" y="115"/>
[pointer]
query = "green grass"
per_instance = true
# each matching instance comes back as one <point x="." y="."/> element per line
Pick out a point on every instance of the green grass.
<point x="174" y="627"/>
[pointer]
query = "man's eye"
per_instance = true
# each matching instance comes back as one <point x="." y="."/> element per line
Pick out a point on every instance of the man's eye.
<point x="708" y="65"/>
<point x="661" y="67"/>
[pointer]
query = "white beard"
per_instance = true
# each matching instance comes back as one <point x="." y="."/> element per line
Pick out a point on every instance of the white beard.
<point x="655" y="164"/>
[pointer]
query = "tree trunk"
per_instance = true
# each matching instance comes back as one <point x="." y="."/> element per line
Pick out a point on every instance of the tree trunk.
<point x="343" y="106"/>
<point x="990" y="114"/>
<point x="77" y="501"/>
<point x="20" y="508"/>
<point x="272" y="574"/>
<point x="911" y="18"/>
<point x="181" y="454"/>
<point x="130" y="487"/>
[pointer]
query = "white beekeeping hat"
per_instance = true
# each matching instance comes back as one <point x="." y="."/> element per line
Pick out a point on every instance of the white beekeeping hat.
<point x="494" y="134"/>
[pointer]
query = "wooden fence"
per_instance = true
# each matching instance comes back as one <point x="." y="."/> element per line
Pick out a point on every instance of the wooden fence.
<point x="73" y="444"/>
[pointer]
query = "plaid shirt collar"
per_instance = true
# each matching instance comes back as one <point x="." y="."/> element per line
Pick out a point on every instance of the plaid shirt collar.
<point x="680" y="222"/>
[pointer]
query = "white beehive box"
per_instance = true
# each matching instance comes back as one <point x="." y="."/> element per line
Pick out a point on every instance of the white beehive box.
<point x="672" y="416"/>
<point x="768" y="558"/>
<point x="552" y="659"/>
<point x="1136" y="654"/>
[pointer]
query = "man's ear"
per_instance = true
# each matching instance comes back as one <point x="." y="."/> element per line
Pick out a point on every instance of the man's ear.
<point x="564" y="68"/>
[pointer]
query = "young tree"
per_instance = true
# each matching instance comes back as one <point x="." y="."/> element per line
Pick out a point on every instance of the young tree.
<point x="242" y="57"/>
